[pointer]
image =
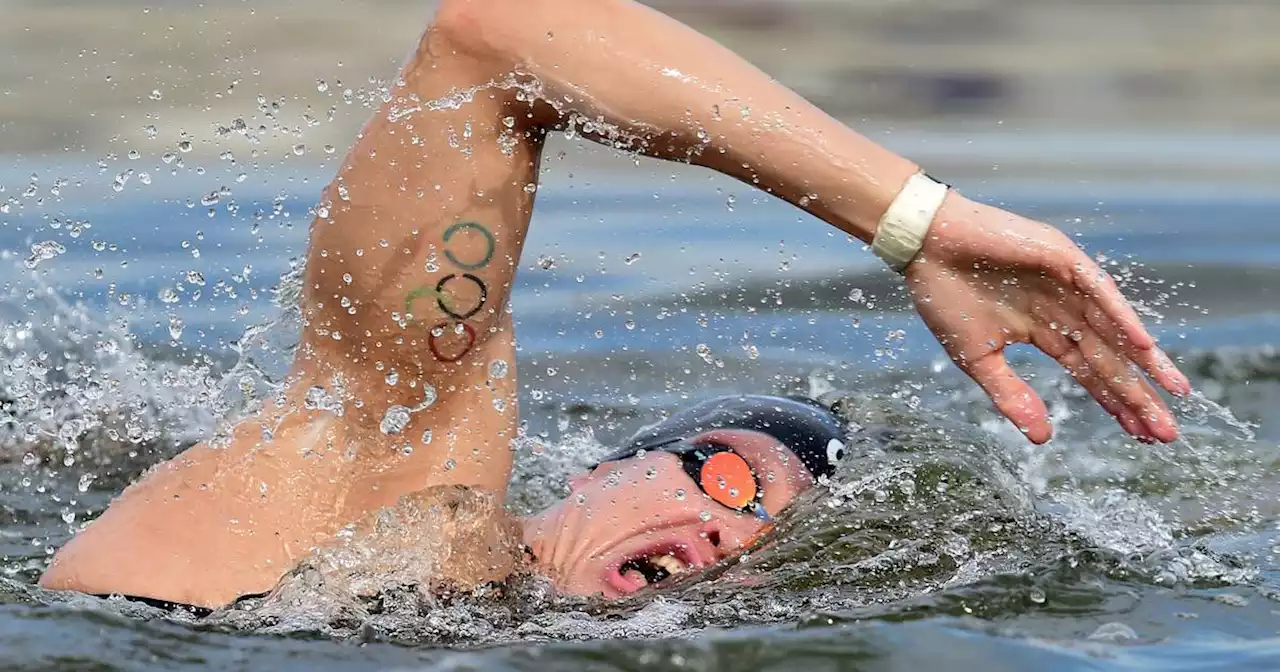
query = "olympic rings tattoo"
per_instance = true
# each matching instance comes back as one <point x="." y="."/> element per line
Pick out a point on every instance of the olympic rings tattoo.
<point x="488" y="254"/>
<point x="484" y="295"/>
<point x="435" y="348"/>
<point x="442" y="300"/>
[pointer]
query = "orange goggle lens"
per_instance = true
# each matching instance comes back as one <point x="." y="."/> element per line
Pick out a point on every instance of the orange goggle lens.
<point x="727" y="478"/>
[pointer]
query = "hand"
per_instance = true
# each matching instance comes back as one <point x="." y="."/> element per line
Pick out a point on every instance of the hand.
<point x="986" y="279"/>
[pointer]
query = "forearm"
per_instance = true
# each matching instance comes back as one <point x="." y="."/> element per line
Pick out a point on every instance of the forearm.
<point x="687" y="96"/>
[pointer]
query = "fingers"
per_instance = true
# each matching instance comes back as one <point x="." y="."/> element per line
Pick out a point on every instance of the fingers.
<point x="1115" y="319"/>
<point x="1115" y="373"/>
<point x="1152" y="360"/>
<point x="1118" y="387"/>
<point x="1068" y="355"/>
<point x="1086" y="349"/>
<point x="1098" y="285"/>
<point x="1075" y="363"/>
<point x="1012" y="395"/>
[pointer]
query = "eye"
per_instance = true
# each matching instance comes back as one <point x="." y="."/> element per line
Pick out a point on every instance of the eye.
<point x="727" y="478"/>
<point x="835" y="451"/>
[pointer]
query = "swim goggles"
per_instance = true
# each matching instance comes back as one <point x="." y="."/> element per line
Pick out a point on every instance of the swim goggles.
<point x="721" y="473"/>
<point x="811" y="431"/>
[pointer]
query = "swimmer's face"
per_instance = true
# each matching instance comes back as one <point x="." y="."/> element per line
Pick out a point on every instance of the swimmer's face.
<point x="629" y="523"/>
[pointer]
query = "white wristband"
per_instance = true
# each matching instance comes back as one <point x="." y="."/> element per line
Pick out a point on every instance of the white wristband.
<point x="902" y="229"/>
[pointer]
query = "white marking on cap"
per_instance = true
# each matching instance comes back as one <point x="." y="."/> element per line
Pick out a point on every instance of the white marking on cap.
<point x="835" y="451"/>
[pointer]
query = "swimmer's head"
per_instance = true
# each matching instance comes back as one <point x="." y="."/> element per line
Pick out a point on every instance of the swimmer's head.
<point x="684" y="493"/>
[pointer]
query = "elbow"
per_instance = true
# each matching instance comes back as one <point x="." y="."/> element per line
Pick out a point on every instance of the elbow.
<point x="482" y="28"/>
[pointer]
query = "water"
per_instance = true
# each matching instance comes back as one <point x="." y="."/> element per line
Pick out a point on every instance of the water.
<point x="944" y="539"/>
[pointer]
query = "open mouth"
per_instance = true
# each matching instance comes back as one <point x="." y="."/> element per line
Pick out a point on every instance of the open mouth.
<point x="653" y="566"/>
<point x="652" y="569"/>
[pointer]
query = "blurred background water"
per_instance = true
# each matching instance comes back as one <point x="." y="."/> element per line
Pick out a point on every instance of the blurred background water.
<point x="161" y="159"/>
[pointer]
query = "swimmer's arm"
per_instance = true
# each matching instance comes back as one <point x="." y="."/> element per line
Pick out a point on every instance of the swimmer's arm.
<point x="985" y="278"/>
<point x="688" y="97"/>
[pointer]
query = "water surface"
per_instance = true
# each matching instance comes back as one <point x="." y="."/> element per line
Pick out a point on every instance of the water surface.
<point x="142" y="318"/>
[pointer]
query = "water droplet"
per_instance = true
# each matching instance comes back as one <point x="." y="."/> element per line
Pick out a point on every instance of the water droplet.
<point x="317" y="398"/>
<point x="449" y="464"/>
<point x="1038" y="596"/>
<point x="394" y="420"/>
<point x="168" y="295"/>
<point x="184" y="146"/>
<point x="195" y="277"/>
<point x="546" y="263"/>
<point x="498" y="369"/>
<point x="322" y="86"/>
<point x="43" y="251"/>
<point x="1114" y="632"/>
<point x="705" y="516"/>
<point x="299" y="149"/>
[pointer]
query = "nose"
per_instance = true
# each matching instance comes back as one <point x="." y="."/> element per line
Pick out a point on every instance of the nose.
<point x="731" y="534"/>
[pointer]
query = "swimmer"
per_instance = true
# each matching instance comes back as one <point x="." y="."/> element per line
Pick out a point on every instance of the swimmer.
<point x="411" y="261"/>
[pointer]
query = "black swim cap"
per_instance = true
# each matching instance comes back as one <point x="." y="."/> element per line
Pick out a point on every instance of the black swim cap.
<point x="809" y="429"/>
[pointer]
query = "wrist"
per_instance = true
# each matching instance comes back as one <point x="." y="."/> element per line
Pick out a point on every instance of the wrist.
<point x="904" y="226"/>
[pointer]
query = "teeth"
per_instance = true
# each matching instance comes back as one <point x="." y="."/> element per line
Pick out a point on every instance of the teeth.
<point x="669" y="563"/>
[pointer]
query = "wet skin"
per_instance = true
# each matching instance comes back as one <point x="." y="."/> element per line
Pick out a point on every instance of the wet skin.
<point x="629" y="522"/>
